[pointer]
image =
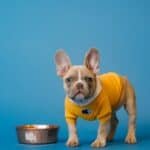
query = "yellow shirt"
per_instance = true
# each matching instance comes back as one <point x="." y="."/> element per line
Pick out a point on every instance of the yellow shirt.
<point x="100" y="108"/>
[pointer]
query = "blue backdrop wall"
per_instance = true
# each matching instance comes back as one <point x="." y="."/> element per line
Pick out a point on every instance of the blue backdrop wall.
<point x="30" y="33"/>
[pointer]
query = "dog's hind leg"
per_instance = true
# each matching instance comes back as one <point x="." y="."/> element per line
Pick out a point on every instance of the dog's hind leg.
<point x="130" y="107"/>
<point x="113" y="126"/>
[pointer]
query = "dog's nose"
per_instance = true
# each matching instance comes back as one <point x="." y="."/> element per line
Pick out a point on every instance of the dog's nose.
<point x="79" y="85"/>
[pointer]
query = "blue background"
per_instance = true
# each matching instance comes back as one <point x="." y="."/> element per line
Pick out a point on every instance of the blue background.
<point x="30" y="91"/>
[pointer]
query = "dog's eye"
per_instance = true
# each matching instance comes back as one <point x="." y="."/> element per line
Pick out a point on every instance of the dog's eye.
<point x="88" y="79"/>
<point x="68" y="80"/>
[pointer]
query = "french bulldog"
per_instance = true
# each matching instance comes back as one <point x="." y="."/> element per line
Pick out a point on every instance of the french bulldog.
<point x="91" y="96"/>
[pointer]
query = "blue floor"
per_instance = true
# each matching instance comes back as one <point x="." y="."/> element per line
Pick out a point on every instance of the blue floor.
<point x="117" y="145"/>
<point x="143" y="143"/>
<point x="86" y="136"/>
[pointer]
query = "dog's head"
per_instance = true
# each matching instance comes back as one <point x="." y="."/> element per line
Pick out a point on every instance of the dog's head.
<point x="80" y="81"/>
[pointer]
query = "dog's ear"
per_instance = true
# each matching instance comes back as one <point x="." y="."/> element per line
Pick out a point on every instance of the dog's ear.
<point x="63" y="63"/>
<point x="91" y="60"/>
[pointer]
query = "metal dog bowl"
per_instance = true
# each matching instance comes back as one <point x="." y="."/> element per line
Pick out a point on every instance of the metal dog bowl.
<point x="37" y="134"/>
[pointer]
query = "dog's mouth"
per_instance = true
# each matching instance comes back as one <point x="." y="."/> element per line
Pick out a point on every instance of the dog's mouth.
<point x="79" y="95"/>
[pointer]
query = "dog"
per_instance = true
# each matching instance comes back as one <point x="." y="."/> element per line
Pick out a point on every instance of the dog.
<point x="92" y="96"/>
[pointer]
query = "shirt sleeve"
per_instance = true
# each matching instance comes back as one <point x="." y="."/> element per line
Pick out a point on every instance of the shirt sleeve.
<point x="69" y="114"/>
<point x="71" y="120"/>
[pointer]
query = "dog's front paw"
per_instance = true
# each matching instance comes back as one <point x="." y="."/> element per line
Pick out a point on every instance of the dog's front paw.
<point x="98" y="143"/>
<point x="130" y="139"/>
<point x="72" y="142"/>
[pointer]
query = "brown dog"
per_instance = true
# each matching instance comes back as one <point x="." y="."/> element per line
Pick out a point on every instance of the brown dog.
<point x="91" y="96"/>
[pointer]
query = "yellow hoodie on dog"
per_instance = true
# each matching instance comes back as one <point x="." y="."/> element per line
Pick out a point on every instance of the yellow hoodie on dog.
<point x="100" y="108"/>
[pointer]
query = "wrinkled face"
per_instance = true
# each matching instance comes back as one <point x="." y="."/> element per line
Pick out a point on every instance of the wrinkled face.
<point x="79" y="81"/>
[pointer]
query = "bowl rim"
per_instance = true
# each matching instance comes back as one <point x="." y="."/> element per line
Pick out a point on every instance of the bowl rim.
<point x="37" y="127"/>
